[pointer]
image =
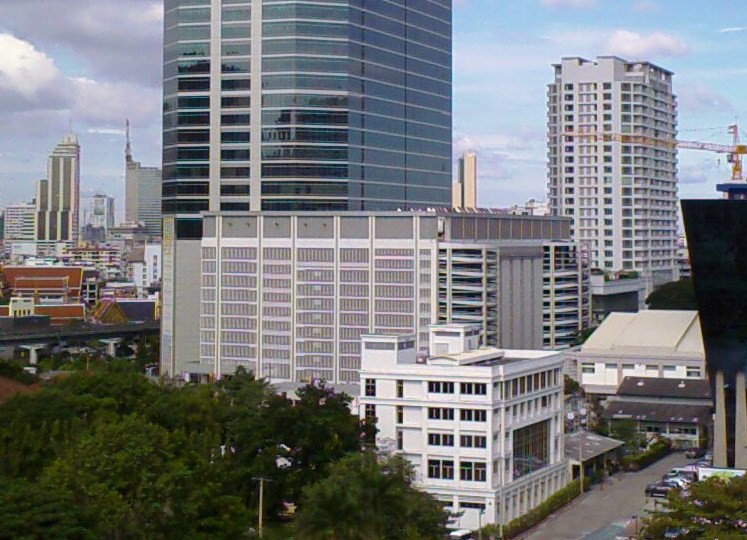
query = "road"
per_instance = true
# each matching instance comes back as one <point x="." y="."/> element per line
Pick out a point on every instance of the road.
<point x="602" y="512"/>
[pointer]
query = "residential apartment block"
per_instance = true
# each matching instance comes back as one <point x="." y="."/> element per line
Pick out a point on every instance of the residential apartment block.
<point x="566" y="295"/>
<point x="612" y="162"/>
<point x="299" y="289"/>
<point x="483" y="427"/>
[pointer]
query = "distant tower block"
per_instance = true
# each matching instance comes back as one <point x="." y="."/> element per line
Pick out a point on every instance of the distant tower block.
<point x="464" y="192"/>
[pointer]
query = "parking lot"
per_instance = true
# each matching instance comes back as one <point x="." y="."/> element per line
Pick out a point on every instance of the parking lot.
<point x="605" y="510"/>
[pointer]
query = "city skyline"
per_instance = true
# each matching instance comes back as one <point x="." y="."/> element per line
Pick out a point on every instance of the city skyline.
<point x="95" y="70"/>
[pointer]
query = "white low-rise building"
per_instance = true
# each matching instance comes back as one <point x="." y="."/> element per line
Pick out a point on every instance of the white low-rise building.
<point x="651" y="343"/>
<point x="482" y="426"/>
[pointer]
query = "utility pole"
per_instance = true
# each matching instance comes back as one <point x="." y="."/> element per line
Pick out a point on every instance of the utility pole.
<point x="261" y="501"/>
<point x="581" y="460"/>
<point x="260" y="519"/>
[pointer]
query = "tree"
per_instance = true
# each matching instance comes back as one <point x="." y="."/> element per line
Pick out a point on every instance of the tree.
<point x="134" y="479"/>
<point x="365" y="499"/>
<point x="38" y="511"/>
<point x="678" y="295"/>
<point x="570" y="386"/>
<point x="714" y="509"/>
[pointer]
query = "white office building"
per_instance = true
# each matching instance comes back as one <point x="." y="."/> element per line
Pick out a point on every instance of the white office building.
<point x="20" y="223"/>
<point x="145" y="267"/>
<point x="299" y="289"/>
<point x="613" y="162"/>
<point x="482" y="426"/>
<point x="651" y="343"/>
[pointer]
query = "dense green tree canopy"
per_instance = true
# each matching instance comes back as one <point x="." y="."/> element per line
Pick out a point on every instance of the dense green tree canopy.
<point x="674" y="295"/>
<point x="714" y="509"/>
<point x="364" y="498"/>
<point x="111" y="454"/>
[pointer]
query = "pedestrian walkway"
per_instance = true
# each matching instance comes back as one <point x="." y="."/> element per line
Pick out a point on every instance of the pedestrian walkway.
<point x="605" y="510"/>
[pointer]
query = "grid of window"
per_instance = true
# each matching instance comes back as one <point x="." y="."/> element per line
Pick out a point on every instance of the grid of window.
<point x="440" y="413"/>
<point x="531" y="448"/>
<point x="441" y="469"/>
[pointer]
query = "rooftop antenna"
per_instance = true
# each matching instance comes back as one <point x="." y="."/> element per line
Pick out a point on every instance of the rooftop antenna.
<point x="128" y="147"/>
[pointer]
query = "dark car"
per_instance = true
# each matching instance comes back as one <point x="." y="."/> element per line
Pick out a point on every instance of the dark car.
<point x="660" y="489"/>
<point x="676" y="533"/>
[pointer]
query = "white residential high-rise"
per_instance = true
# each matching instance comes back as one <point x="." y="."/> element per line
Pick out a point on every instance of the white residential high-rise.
<point x="464" y="191"/>
<point x="613" y="164"/>
<point x="58" y="195"/>
<point x="482" y="427"/>
<point x="20" y="222"/>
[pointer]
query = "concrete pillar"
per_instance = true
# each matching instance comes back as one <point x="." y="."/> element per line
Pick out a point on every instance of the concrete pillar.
<point x="719" y="423"/>
<point x="740" y="435"/>
<point x="33" y="350"/>
<point x="111" y="345"/>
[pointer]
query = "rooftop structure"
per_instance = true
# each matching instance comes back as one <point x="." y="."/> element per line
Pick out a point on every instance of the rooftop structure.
<point x="678" y="409"/>
<point x="651" y="343"/>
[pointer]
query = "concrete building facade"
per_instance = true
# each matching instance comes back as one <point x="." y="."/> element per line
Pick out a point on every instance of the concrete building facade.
<point x="613" y="164"/>
<point x="353" y="113"/>
<point x="20" y="223"/>
<point x="142" y="193"/>
<point x="100" y="212"/>
<point x="298" y="290"/>
<point x="483" y="427"/>
<point x="58" y="196"/>
<point x="566" y="306"/>
<point x="146" y="271"/>
<point x="464" y="191"/>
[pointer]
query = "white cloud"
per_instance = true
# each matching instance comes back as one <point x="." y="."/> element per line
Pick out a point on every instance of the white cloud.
<point x="569" y="3"/>
<point x="732" y="29"/>
<point x="636" y="46"/>
<point x="23" y="68"/>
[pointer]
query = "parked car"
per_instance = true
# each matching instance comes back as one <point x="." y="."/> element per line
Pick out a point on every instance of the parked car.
<point x="688" y="473"/>
<point x="694" y="453"/>
<point x="682" y="483"/>
<point x="661" y="489"/>
<point x="678" y="532"/>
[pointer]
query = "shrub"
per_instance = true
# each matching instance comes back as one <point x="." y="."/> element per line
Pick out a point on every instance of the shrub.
<point x="553" y="503"/>
<point x="641" y="460"/>
<point x="13" y="371"/>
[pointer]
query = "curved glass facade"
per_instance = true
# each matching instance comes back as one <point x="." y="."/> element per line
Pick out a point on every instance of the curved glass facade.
<point x="306" y="105"/>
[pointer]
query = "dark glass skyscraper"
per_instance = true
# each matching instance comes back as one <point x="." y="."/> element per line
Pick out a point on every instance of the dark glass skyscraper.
<point x="305" y="105"/>
<point x="717" y="242"/>
<point x="295" y="105"/>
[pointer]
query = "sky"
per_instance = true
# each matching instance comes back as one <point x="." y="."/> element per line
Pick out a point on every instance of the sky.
<point x="86" y="65"/>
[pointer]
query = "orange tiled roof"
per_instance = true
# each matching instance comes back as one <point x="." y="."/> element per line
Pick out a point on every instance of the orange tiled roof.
<point x="25" y="276"/>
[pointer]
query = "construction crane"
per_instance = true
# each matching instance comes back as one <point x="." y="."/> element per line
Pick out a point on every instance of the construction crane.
<point x="734" y="151"/>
